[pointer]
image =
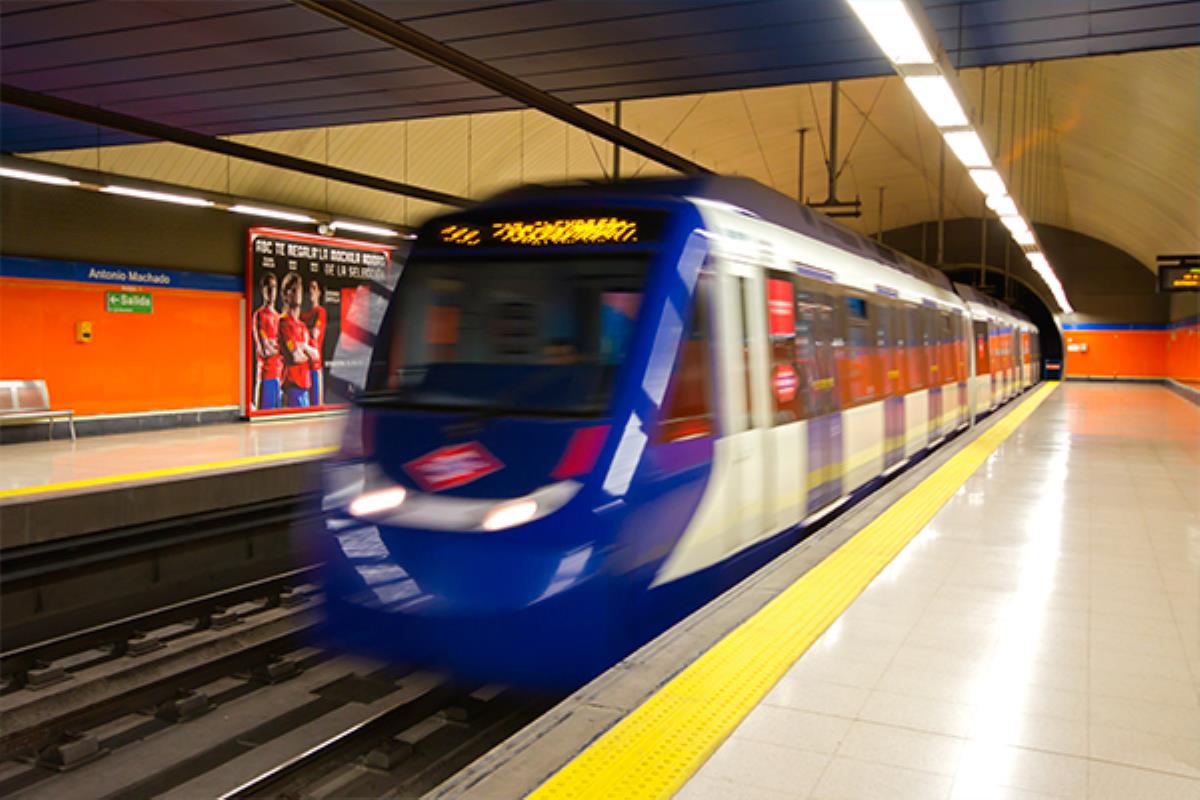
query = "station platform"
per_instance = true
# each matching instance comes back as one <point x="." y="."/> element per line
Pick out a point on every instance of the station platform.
<point x="51" y="490"/>
<point x="1020" y="618"/>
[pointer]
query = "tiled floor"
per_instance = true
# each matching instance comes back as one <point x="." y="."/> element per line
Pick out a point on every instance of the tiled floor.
<point x="1040" y="638"/>
<point x="41" y="463"/>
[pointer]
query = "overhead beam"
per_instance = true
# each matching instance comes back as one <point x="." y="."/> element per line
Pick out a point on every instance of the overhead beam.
<point x="379" y="26"/>
<point x="14" y="95"/>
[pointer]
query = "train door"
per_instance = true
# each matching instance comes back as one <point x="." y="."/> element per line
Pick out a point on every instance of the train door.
<point x="963" y="371"/>
<point x="786" y="434"/>
<point x="982" y="379"/>
<point x="743" y="367"/>
<point x="929" y="338"/>
<point x="889" y="322"/>
<point x="816" y="333"/>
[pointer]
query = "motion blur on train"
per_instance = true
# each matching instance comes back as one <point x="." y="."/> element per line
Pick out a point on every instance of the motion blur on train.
<point x="593" y="408"/>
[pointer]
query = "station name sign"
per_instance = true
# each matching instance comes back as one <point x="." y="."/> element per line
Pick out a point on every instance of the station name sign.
<point x="1179" y="273"/>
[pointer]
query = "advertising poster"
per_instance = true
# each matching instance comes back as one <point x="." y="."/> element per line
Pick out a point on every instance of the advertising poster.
<point x="313" y="304"/>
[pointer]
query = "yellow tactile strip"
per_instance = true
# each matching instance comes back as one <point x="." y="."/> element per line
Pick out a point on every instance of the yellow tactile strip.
<point x="652" y="752"/>
<point x="167" y="472"/>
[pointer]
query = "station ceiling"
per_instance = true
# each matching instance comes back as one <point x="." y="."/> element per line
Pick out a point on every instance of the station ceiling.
<point x="231" y="66"/>
<point x="726" y="83"/>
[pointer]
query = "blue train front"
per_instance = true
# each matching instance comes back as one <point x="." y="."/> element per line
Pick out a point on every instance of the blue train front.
<point x="527" y="450"/>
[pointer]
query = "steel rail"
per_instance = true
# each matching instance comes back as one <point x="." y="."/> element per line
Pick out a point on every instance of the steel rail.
<point x="15" y="662"/>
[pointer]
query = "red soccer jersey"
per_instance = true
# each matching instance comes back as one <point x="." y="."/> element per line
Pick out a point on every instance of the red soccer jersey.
<point x="266" y="325"/>
<point x="292" y="334"/>
<point x="315" y="318"/>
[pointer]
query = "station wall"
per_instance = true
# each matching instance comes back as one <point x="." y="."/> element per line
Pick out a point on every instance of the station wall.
<point x="183" y="355"/>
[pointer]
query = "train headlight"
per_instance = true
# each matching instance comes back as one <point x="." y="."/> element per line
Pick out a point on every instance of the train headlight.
<point x="508" y="515"/>
<point x="370" y="504"/>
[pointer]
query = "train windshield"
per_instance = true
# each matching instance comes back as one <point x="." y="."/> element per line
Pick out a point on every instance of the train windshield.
<point x="540" y="334"/>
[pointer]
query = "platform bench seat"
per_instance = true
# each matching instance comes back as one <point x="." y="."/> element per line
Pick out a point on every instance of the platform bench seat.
<point x="29" y="401"/>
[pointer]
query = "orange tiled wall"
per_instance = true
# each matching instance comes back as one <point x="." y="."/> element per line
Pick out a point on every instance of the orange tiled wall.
<point x="1183" y="351"/>
<point x="1172" y="352"/>
<point x="183" y="355"/>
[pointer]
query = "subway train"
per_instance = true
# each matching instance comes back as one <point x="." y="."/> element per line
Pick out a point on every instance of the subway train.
<point x="592" y="408"/>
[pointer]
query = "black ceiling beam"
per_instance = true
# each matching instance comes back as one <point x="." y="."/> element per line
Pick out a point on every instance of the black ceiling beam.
<point x="368" y="21"/>
<point x="14" y="95"/>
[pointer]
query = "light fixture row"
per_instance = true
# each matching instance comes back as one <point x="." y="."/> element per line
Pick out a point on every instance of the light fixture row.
<point x="201" y="202"/>
<point x="898" y="36"/>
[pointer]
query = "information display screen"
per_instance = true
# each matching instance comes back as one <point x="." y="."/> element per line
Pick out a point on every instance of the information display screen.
<point x="559" y="229"/>
<point x="1179" y="278"/>
<point x="313" y="305"/>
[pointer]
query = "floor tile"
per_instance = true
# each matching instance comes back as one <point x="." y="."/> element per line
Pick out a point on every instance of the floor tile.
<point x="849" y="779"/>
<point x="1116" y="782"/>
<point x="899" y="747"/>
<point x="803" y="730"/>
<point x="767" y="766"/>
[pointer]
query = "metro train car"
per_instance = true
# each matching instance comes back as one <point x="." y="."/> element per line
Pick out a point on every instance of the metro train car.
<point x="592" y="408"/>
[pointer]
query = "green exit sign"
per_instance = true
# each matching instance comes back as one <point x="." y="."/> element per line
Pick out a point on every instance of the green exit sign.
<point x="130" y="302"/>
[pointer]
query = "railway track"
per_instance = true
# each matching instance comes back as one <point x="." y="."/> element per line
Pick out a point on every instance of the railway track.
<point x="233" y="694"/>
<point x="287" y="718"/>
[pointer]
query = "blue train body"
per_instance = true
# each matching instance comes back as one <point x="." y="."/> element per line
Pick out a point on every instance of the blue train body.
<point x="556" y="458"/>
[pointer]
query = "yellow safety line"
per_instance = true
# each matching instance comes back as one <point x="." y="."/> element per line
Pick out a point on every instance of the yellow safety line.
<point x="165" y="472"/>
<point x="652" y="752"/>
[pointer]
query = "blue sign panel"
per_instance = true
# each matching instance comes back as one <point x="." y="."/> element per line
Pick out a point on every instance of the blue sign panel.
<point x="52" y="270"/>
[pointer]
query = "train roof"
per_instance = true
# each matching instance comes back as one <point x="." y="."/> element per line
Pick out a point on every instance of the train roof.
<point x="754" y="198"/>
<point x="973" y="295"/>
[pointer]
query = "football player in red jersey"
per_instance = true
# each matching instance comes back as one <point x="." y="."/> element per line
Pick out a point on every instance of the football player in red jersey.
<point x="267" y="361"/>
<point x="315" y="319"/>
<point x="295" y="344"/>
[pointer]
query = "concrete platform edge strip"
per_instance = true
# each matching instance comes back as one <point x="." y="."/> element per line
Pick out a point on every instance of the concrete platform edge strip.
<point x="652" y="752"/>
<point x="231" y="464"/>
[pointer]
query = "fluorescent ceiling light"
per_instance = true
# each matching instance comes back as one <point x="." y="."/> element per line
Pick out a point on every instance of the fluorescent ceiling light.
<point x="1023" y="237"/>
<point x="358" y="227"/>
<point x="1003" y="205"/>
<point x="989" y="182"/>
<point x="893" y="29"/>
<point x="37" y="177"/>
<point x="1014" y="223"/>
<point x="968" y="148"/>
<point x="163" y="197"/>
<point x="937" y="99"/>
<point x="256" y="211"/>
<point x="1038" y="260"/>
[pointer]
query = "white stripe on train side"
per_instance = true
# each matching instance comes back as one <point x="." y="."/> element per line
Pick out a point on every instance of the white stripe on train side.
<point x="761" y="477"/>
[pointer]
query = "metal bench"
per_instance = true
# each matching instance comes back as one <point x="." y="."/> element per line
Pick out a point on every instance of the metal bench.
<point x="29" y="401"/>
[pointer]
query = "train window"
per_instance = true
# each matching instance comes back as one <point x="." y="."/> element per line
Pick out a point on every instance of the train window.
<point x="687" y="409"/>
<point x="782" y="328"/>
<point x="744" y="417"/>
<point x="815" y="330"/>
<point x="858" y="359"/>
<point x="542" y="334"/>
<point x="929" y="344"/>
<point x="916" y="358"/>
<point x="883" y="313"/>
<point x="983" y="364"/>
<point x="945" y="347"/>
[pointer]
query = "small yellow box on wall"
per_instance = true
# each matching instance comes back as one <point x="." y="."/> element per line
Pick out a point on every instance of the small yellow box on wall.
<point x="83" y="332"/>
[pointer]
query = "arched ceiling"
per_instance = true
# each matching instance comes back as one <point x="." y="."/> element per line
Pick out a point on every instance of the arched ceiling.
<point x="1106" y="145"/>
